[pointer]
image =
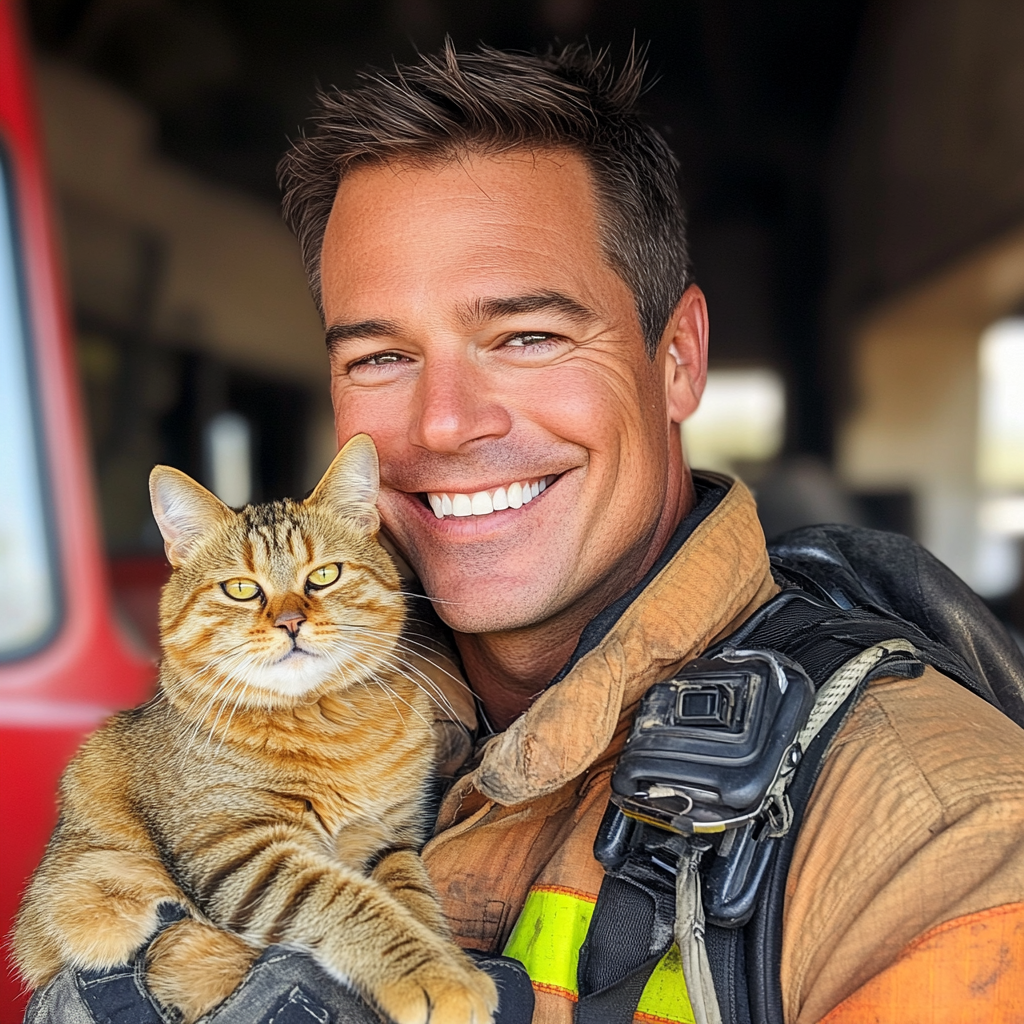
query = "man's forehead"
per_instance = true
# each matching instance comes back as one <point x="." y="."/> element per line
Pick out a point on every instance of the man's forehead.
<point x="519" y="229"/>
<point x="507" y="189"/>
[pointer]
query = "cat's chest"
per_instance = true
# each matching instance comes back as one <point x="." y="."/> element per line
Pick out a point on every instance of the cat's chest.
<point x="354" y="829"/>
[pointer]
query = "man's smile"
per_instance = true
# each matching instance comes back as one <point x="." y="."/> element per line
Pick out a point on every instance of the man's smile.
<point x="482" y="503"/>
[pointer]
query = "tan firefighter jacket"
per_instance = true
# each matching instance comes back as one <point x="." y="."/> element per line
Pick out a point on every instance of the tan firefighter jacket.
<point x="905" y="899"/>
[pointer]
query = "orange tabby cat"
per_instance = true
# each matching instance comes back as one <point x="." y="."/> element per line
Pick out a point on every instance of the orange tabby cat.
<point x="282" y="757"/>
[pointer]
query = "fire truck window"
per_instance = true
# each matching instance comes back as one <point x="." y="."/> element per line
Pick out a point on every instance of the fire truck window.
<point x="28" y="606"/>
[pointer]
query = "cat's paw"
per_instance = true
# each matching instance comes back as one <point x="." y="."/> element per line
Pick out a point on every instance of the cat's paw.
<point x="447" y="989"/>
<point x="193" y="967"/>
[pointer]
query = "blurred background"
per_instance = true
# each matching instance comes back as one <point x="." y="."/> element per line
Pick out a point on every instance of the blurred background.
<point x="854" y="175"/>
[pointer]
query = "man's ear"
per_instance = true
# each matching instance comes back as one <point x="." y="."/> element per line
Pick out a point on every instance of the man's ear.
<point x="184" y="510"/>
<point x="350" y="485"/>
<point x="684" y="350"/>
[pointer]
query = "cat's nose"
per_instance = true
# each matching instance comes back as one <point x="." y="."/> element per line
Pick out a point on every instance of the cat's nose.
<point x="291" y="621"/>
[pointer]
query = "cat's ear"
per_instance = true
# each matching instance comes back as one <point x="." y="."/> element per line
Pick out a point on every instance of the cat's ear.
<point x="184" y="510"/>
<point x="349" y="487"/>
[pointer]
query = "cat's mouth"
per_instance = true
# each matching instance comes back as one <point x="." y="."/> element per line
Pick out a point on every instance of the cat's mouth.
<point x="483" y="503"/>
<point x="296" y="652"/>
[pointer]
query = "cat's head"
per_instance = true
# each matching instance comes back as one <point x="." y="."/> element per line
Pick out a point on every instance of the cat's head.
<point x="277" y="603"/>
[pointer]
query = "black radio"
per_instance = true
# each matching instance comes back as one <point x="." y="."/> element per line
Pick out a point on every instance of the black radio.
<point x="707" y="745"/>
<point x="710" y="752"/>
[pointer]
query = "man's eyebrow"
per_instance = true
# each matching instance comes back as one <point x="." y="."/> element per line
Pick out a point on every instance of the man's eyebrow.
<point x="482" y="310"/>
<point x="338" y="333"/>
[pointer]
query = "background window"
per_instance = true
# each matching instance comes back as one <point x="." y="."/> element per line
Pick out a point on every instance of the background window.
<point x="1000" y="458"/>
<point x="741" y="419"/>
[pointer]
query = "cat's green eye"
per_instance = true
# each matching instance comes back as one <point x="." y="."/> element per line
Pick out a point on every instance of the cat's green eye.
<point x="241" y="589"/>
<point x="324" y="576"/>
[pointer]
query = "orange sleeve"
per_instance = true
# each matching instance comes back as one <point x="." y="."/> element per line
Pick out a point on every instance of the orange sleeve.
<point x="965" y="971"/>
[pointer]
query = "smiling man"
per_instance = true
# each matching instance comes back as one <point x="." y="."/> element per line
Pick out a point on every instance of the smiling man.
<point x="497" y="247"/>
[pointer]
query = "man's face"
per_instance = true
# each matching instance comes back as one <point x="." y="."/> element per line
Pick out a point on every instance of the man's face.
<point x="479" y="337"/>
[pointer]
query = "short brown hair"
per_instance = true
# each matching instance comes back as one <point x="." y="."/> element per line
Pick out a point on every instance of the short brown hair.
<point x="494" y="101"/>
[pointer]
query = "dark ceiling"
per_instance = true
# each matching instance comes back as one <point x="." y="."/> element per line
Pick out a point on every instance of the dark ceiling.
<point x="748" y="93"/>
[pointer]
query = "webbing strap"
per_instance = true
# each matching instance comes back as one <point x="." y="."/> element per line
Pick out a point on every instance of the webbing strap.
<point x="689" y="932"/>
<point x="844" y="681"/>
<point x="829" y="698"/>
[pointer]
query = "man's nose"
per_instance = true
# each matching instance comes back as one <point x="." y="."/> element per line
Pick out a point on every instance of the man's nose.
<point x="290" y="621"/>
<point x="455" y="405"/>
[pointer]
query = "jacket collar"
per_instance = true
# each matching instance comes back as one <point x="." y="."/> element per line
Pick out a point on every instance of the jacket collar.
<point x="718" y="576"/>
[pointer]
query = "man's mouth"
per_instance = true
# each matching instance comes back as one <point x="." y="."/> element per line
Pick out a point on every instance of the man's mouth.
<point x="483" y="503"/>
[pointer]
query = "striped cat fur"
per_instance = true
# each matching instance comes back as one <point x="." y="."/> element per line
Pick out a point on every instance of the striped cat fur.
<point x="276" y="785"/>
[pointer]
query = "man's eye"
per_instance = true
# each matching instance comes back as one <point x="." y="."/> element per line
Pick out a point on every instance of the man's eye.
<point x="378" y="359"/>
<point x="528" y="339"/>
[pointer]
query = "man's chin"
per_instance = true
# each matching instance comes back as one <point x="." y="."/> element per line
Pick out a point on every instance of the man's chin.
<point x="498" y="607"/>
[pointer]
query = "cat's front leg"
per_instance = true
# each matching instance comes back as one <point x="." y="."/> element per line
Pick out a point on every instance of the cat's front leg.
<point x="195" y="966"/>
<point x="90" y="909"/>
<point x="284" y="892"/>
<point x="404" y="875"/>
<point x="410" y="971"/>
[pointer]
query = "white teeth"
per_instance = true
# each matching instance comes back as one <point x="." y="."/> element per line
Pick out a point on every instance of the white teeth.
<point x="483" y="503"/>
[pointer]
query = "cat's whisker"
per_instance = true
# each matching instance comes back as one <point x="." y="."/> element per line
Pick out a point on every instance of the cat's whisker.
<point x="429" y="686"/>
<point x="405" y="638"/>
<point x="231" y="651"/>
<point x="412" y="707"/>
<point x="202" y="718"/>
<point x="420" y="596"/>
<point x="387" y="691"/>
<point x="433" y="690"/>
<point x="234" y="708"/>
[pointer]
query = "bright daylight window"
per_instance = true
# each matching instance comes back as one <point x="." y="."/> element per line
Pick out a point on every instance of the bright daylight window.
<point x="229" y="458"/>
<point x="1001" y="457"/>
<point x="741" y="419"/>
<point x="28" y="605"/>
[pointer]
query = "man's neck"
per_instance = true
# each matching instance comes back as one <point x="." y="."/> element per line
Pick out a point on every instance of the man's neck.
<point x="509" y="670"/>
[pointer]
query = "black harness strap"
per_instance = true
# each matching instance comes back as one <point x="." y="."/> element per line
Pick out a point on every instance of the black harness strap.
<point x="631" y="931"/>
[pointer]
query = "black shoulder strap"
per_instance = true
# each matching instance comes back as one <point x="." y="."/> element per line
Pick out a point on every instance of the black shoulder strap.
<point x="821" y="637"/>
<point x="845" y="589"/>
<point x="630" y="932"/>
<point x="891" y="575"/>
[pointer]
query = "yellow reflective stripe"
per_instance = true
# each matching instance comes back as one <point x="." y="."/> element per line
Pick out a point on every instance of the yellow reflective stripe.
<point x="665" y="996"/>
<point x="547" y="940"/>
<point x="548" y="935"/>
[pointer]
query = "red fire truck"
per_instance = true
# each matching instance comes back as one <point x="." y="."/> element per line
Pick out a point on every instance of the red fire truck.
<point x="64" y="666"/>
